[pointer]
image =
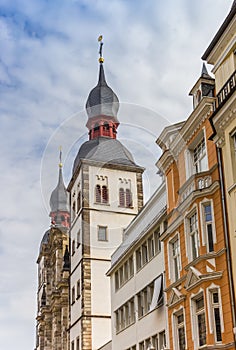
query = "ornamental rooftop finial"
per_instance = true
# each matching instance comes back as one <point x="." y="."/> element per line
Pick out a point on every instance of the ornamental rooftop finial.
<point x="60" y="157"/>
<point x="101" y="59"/>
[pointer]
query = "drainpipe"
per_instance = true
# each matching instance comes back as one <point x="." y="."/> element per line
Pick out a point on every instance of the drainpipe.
<point x="226" y="233"/>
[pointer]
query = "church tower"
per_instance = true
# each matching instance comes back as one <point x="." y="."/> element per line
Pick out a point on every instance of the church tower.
<point x="105" y="195"/>
<point x="53" y="275"/>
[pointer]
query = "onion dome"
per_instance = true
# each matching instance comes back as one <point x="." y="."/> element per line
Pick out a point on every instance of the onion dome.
<point x="59" y="203"/>
<point x="59" y="196"/>
<point x="102" y="101"/>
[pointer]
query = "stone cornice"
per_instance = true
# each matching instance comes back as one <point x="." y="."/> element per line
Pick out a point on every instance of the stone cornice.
<point x="173" y="146"/>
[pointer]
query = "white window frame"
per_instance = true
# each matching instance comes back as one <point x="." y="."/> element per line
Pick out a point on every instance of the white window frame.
<point x="194" y="315"/>
<point x="201" y="155"/>
<point x="205" y="241"/>
<point x="211" y="306"/>
<point x="176" y="326"/>
<point x="105" y="239"/>
<point x="190" y="164"/>
<point x="189" y="235"/>
<point x="171" y="265"/>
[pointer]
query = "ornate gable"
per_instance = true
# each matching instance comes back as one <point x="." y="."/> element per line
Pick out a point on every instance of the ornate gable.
<point x="194" y="277"/>
<point x="175" y="297"/>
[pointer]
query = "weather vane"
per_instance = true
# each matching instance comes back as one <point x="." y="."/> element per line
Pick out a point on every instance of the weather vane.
<point x="101" y="59"/>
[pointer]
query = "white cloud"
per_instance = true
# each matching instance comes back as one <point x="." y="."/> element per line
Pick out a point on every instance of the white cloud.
<point x="48" y="65"/>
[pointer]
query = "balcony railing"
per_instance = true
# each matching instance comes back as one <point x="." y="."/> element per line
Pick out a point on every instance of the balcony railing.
<point x="225" y="93"/>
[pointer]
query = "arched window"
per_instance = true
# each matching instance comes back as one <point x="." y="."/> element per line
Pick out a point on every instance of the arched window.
<point x="104" y="194"/>
<point x="98" y="194"/>
<point x="96" y="127"/>
<point x="106" y="129"/>
<point x="121" y="197"/>
<point x="106" y="126"/>
<point x="128" y="198"/>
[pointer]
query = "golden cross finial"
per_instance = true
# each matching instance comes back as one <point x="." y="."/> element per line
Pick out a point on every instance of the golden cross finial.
<point x="101" y="59"/>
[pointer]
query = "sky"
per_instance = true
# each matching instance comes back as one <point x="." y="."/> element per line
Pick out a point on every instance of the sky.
<point x="48" y="65"/>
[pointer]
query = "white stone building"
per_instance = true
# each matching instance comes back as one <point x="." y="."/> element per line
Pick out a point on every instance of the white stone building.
<point x="138" y="279"/>
<point x="105" y="195"/>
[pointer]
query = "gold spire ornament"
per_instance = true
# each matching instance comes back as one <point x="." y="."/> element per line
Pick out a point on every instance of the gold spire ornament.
<point x="60" y="157"/>
<point x="101" y="59"/>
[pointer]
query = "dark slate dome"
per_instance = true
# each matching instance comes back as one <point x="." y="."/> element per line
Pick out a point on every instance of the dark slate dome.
<point x="59" y="196"/>
<point x="105" y="150"/>
<point x="102" y="100"/>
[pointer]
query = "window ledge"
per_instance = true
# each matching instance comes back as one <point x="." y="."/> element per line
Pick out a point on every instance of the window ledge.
<point x="121" y="330"/>
<point x="124" y="283"/>
<point x="100" y="203"/>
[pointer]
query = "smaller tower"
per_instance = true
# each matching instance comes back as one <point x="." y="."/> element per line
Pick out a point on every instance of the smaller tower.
<point x="204" y="87"/>
<point x="53" y="275"/>
<point x="59" y="202"/>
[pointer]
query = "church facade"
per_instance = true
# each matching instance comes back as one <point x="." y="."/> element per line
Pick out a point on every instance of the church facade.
<point x="53" y="275"/>
<point x="105" y="195"/>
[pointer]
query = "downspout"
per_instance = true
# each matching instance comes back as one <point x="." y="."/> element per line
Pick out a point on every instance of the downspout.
<point x="226" y="234"/>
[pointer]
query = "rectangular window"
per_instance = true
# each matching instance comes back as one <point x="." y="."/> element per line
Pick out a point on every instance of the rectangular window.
<point x="150" y="297"/>
<point x="73" y="295"/>
<point x="131" y="266"/>
<point x="126" y="271"/>
<point x="208" y="227"/>
<point x="193" y="236"/>
<point x="175" y="259"/>
<point x="216" y="313"/>
<point x="73" y="211"/>
<point x="151" y="247"/>
<point x="78" y="289"/>
<point x="138" y="259"/>
<point x="162" y="340"/>
<point x="125" y="315"/>
<point x="102" y="233"/>
<point x="180" y="330"/>
<point x="78" y="239"/>
<point x="117" y="284"/>
<point x="157" y="240"/>
<point x="200" y="157"/>
<point x="73" y="345"/>
<point x="121" y="275"/>
<point x="141" y="311"/>
<point x="73" y="247"/>
<point x="78" y="201"/>
<point x="77" y="344"/>
<point x="200" y="320"/>
<point x="144" y="254"/>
